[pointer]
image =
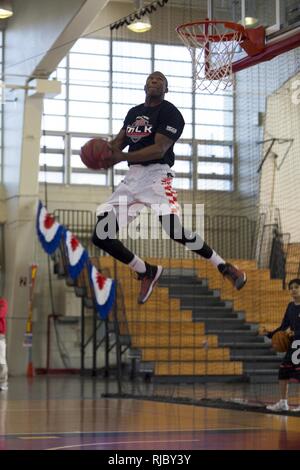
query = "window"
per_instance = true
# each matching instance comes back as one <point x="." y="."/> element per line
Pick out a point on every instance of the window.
<point x="51" y="159"/>
<point x="55" y="142"/>
<point x="214" y="184"/>
<point x="214" y="168"/>
<point x="219" y="118"/>
<point x="182" y="167"/>
<point x="210" y="132"/>
<point x="215" y="151"/>
<point x="50" y="177"/>
<point x="88" y="62"/>
<point x="90" y="105"/>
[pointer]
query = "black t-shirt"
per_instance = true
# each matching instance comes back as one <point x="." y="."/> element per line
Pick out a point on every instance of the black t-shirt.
<point x="143" y="122"/>
<point x="291" y="320"/>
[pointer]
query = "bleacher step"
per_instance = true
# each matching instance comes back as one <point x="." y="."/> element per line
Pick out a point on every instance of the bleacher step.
<point x="189" y="289"/>
<point x="200" y="300"/>
<point x="207" y="315"/>
<point x="197" y="309"/>
<point x="256" y="365"/>
<point x="237" y="335"/>
<point x="223" y="324"/>
<point x="249" y="352"/>
<point x="255" y="358"/>
<point x="244" y="345"/>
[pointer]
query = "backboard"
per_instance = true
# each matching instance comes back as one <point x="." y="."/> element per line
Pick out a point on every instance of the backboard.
<point x="281" y="18"/>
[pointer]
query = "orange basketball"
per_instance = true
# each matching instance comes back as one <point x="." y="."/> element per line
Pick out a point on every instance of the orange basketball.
<point x="95" y="154"/>
<point x="280" y="341"/>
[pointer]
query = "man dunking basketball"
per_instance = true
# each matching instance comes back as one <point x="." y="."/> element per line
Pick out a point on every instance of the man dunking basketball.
<point x="150" y="130"/>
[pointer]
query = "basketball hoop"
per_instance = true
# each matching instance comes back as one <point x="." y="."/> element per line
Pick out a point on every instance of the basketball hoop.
<point x="214" y="46"/>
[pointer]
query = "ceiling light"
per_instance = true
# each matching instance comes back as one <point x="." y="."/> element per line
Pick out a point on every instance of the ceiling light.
<point x="140" y="26"/>
<point x="5" y="9"/>
<point x="250" y="21"/>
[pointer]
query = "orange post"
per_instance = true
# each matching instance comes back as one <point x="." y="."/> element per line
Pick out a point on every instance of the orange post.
<point x="28" y="333"/>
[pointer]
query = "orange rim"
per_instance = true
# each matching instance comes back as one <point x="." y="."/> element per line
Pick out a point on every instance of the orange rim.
<point x="212" y="37"/>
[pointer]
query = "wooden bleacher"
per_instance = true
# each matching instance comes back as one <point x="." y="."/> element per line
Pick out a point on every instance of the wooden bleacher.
<point x="262" y="299"/>
<point x="166" y="335"/>
<point x="199" y="368"/>
<point x="292" y="265"/>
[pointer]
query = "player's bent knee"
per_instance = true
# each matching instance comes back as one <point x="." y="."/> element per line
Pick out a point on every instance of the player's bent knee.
<point x="102" y="242"/>
<point x="105" y="230"/>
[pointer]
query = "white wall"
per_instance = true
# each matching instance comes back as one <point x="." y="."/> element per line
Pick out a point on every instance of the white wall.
<point x="280" y="180"/>
<point x="35" y="28"/>
<point x="253" y="86"/>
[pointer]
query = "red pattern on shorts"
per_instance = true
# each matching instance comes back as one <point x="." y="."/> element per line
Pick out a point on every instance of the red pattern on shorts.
<point x="171" y="194"/>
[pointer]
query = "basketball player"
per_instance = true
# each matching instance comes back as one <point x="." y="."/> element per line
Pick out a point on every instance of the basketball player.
<point x="288" y="370"/>
<point x="150" y="130"/>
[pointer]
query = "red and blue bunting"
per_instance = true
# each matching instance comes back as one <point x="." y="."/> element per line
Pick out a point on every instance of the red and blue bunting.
<point x="49" y="231"/>
<point x="77" y="255"/>
<point x="50" y="234"/>
<point x="104" y="289"/>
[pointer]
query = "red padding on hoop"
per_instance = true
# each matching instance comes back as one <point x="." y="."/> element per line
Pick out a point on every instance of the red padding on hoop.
<point x="255" y="40"/>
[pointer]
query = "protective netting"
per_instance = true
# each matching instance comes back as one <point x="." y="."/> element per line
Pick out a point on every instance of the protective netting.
<point x="238" y="161"/>
<point x="213" y="46"/>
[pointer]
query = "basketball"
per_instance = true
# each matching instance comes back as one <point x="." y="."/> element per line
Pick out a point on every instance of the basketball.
<point x="95" y="154"/>
<point x="280" y="341"/>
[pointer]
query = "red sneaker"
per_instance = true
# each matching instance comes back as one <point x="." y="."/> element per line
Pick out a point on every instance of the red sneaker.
<point x="148" y="281"/>
<point x="237" y="277"/>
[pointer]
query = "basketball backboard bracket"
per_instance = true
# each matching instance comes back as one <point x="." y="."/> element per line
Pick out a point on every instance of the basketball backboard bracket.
<point x="280" y="37"/>
<point x="220" y="47"/>
<point x="271" y="50"/>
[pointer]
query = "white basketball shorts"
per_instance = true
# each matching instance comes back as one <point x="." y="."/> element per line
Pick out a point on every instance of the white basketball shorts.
<point x="149" y="186"/>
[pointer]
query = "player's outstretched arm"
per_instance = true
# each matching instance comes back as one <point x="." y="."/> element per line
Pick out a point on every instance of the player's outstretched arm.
<point x="119" y="141"/>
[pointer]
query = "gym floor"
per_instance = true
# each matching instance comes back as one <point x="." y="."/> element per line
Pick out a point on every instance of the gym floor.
<point x="69" y="413"/>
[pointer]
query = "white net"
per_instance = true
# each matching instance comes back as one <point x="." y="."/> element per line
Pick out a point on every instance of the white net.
<point x="213" y="48"/>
